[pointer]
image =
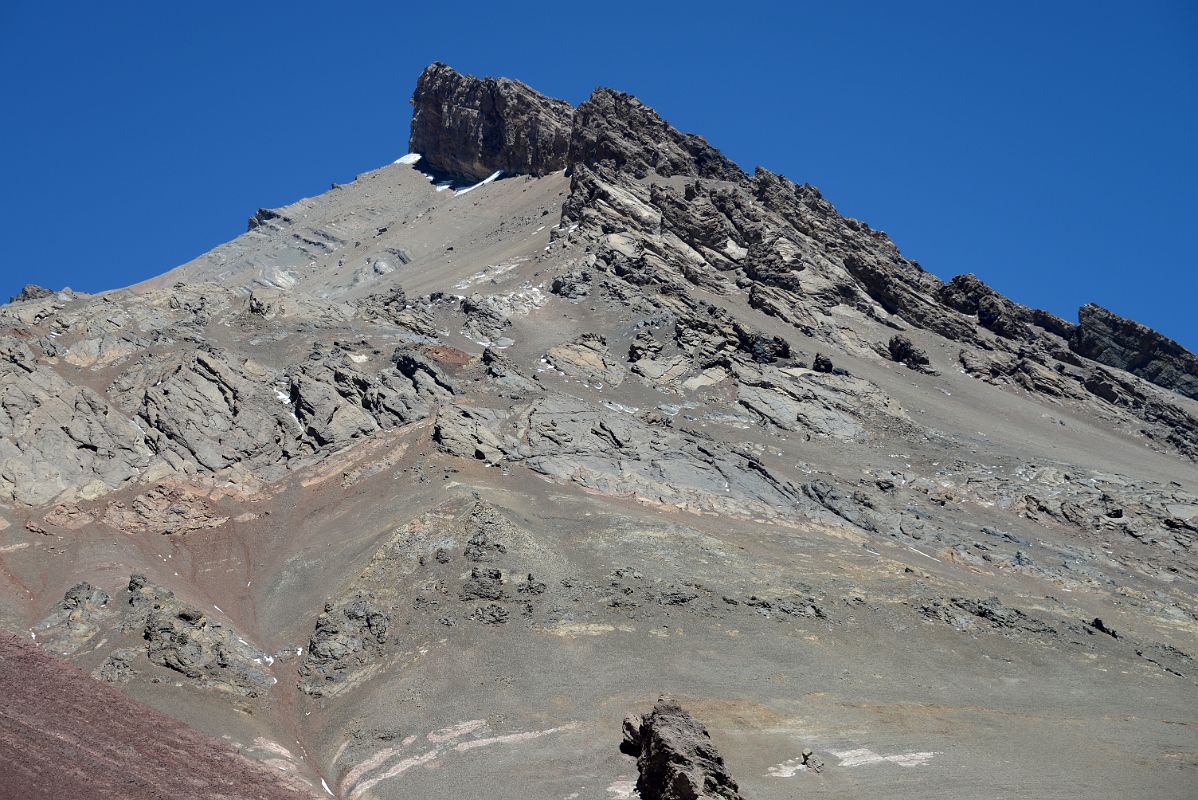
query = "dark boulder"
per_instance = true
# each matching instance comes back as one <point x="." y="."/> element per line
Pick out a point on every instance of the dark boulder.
<point x="904" y="352"/>
<point x="676" y="757"/>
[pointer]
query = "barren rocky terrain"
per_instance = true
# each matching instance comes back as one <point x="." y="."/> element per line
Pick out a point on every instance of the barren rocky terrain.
<point x="420" y="486"/>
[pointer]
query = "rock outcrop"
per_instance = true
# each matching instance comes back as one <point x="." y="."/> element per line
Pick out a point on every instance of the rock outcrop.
<point x="31" y="291"/>
<point x="1125" y="344"/>
<point x="676" y="758"/>
<point x="615" y="131"/>
<point x="74" y="621"/>
<point x="184" y="639"/>
<point x="469" y="128"/>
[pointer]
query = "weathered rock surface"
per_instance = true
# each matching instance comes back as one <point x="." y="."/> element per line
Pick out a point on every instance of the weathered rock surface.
<point x="59" y="439"/>
<point x="184" y="639"/>
<point x="615" y="131"/>
<point x="676" y="758"/>
<point x="469" y="127"/>
<point x="74" y="622"/>
<point x="31" y="291"/>
<point x="1125" y="344"/>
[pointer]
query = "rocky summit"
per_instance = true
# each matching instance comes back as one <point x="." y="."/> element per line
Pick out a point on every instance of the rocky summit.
<point x="419" y="487"/>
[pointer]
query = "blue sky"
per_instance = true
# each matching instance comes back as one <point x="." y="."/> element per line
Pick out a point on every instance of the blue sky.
<point x="1047" y="147"/>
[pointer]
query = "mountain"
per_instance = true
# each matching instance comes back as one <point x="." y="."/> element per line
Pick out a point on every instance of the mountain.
<point x="419" y="487"/>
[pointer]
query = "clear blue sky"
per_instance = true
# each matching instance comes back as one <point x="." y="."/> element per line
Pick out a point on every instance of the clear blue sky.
<point x="1049" y="147"/>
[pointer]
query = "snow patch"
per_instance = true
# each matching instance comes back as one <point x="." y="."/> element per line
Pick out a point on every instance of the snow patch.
<point x="787" y="769"/>
<point x="410" y="158"/>
<point x="489" y="179"/>
<point x="863" y="756"/>
<point x="490" y="272"/>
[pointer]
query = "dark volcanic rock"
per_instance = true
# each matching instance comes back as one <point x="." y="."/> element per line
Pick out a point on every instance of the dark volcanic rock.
<point x="470" y="127"/>
<point x="346" y="636"/>
<point x="72" y="623"/>
<point x="182" y="638"/>
<point x="616" y="131"/>
<point x="676" y="757"/>
<point x="904" y="352"/>
<point x="1123" y="343"/>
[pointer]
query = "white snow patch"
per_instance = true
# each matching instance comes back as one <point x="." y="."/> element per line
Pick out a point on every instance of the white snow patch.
<point x="322" y="781"/>
<point x="410" y="158"/>
<point x="864" y="756"/>
<point x="490" y="272"/>
<point x="214" y="605"/>
<point x="492" y="177"/>
<point x="787" y="769"/>
<point x="620" y="407"/>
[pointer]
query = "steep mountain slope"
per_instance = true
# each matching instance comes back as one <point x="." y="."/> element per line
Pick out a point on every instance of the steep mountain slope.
<point x="423" y="484"/>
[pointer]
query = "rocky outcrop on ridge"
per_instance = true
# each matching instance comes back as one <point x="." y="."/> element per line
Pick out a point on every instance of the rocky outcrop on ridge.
<point x="31" y="291"/>
<point x="469" y="127"/>
<point x="1125" y="344"/>
<point x="58" y="438"/>
<point x="615" y="131"/>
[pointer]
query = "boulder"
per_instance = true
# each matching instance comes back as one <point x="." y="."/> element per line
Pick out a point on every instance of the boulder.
<point x="676" y="758"/>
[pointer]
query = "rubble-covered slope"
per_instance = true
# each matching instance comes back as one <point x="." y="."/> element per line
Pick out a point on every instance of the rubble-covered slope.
<point x="420" y="486"/>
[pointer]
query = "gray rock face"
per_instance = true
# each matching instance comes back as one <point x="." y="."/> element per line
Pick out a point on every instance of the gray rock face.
<point x="203" y="410"/>
<point x="676" y="758"/>
<point x="1125" y="344"/>
<point x="59" y="439"/>
<point x="904" y="352"/>
<point x="470" y="127"/>
<point x="118" y="667"/>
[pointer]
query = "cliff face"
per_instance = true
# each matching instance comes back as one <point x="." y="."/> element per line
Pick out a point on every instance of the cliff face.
<point x="1125" y="344"/>
<point x="469" y="127"/>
